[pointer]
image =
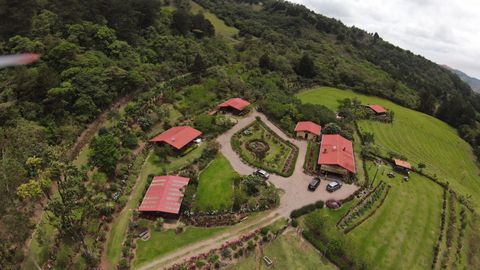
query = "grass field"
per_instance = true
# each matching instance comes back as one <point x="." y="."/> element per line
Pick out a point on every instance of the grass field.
<point x="220" y="27"/>
<point x="287" y="252"/>
<point x="161" y="243"/>
<point x="402" y="232"/>
<point x="215" y="186"/>
<point x="119" y="225"/>
<point x="419" y="137"/>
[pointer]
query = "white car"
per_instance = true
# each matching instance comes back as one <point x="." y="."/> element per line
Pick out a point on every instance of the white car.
<point x="197" y="141"/>
<point x="333" y="186"/>
<point x="262" y="173"/>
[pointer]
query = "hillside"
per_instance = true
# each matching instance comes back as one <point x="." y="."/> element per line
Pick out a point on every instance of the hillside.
<point x="473" y="82"/>
<point x="74" y="126"/>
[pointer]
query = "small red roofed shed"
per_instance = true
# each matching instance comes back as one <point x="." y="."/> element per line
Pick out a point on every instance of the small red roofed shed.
<point x="402" y="164"/>
<point x="308" y="130"/>
<point x="377" y="109"/>
<point x="178" y="137"/>
<point x="336" y="155"/>
<point x="237" y="104"/>
<point x="164" y="195"/>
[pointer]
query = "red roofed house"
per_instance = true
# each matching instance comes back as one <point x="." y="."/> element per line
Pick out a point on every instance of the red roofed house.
<point x="402" y="166"/>
<point x="308" y="130"/>
<point x="336" y="155"/>
<point x="164" y="196"/>
<point x="234" y="105"/>
<point x="178" y="137"/>
<point x="377" y="109"/>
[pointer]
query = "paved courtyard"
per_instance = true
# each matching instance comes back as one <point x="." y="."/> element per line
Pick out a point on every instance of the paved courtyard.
<point x="295" y="190"/>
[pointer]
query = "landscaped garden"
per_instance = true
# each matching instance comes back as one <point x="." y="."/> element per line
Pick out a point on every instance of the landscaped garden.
<point x="215" y="186"/>
<point x="288" y="251"/>
<point x="262" y="148"/>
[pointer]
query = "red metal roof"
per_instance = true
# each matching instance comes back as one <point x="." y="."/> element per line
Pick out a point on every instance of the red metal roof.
<point x="178" y="137"/>
<point x="164" y="194"/>
<point x="336" y="150"/>
<point x="377" y="108"/>
<point x="236" y="103"/>
<point x="402" y="163"/>
<point x="308" y="126"/>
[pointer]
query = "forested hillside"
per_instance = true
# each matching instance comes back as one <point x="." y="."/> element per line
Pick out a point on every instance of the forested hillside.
<point x="96" y="52"/>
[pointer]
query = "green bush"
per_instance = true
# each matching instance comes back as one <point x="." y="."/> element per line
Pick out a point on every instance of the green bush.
<point x="294" y="223"/>
<point x="306" y="209"/>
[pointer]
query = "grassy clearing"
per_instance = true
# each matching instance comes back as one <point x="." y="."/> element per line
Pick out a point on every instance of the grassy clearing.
<point x="215" y="186"/>
<point x="401" y="234"/>
<point x="289" y="251"/>
<point x="419" y="137"/>
<point x="119" y="225"/>
<point x="220" y="27"/>
<point x="161" y="243"/>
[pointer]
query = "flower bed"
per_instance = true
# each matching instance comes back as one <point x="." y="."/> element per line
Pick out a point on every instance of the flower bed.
<point x="277" y="155"/>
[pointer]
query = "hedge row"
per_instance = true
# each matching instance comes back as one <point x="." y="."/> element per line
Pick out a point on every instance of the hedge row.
<point x="436" y="249"/>
<point x="306" y="209"/>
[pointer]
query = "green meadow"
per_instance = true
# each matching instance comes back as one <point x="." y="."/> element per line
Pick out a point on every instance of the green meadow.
<point x="419" y="137"/>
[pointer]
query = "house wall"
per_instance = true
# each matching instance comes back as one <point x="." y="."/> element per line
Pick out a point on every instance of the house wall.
<point x="334" y="169"/>
<point x="310" y="136"/>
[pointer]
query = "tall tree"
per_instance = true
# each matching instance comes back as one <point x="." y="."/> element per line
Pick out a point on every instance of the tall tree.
<point x="104" y="153"/>
<point x="306" y="67"/>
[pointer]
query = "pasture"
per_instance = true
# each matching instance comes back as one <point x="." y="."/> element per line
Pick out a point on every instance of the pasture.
<point x="220" y="27"/>
<point x="215" y="185"/>
<point x="419" y="137"/>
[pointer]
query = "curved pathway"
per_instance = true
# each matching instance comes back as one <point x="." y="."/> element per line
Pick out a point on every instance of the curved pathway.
<point x="295" y="194"/>
<point x="295" y="190"/>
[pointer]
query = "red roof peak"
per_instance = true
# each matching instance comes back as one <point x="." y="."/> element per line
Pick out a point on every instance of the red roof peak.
<point x="236" y="103"/>
<point x="178" y="137"/>
<point x="377" y="108"/>
<point x="330" y="156"/>
<point x="164" y="194"/>
<point x="308" y="126"/>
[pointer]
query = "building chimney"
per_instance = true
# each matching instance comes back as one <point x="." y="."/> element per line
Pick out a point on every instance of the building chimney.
<point x="173" y="139"/>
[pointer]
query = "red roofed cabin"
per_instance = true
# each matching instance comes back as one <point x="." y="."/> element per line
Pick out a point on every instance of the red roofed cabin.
<point x="178" y="137"/>
<point x="402" y="166"/>
<point x="377" y="109"/>
<point x="164" y="196"/>
<point x="308" y="130"/>
<point x="234" y="105"/>
<point x="336" y="156"/>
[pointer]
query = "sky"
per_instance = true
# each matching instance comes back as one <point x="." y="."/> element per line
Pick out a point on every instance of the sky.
<point x="444" y="31"/>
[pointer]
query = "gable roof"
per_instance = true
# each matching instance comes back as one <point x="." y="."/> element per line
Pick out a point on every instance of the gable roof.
<point x="402" y="163"/>
<point x="178" y="137"/>
<point x="236" y="103"/>
<point x="336" y="150"/>
<point x="308" y="126"/>
<point x="377" y="108"/>
<point x="164" y="194"/>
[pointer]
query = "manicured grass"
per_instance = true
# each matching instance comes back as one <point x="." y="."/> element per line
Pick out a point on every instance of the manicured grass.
<point x="119" y="225"/>
<point x="215" y="185"/>
<point x="220" y="27"/>
<point x="401" y="234"/>
<point x="287" y="252"/>
<point x="277" y="154"/>
<point x="419" y="137"/>
<point x="161" y="243"/>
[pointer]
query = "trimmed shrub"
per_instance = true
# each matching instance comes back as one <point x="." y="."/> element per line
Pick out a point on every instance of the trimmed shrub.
<point x="306" y="209"/>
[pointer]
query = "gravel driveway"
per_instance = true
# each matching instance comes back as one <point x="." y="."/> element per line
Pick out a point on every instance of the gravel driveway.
<point x="295" y="190"/>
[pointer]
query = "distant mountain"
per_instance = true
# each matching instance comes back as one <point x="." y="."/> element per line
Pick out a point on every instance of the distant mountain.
<point x="473" y="82"/>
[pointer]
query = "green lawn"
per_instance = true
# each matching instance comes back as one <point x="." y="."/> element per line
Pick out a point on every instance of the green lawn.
<point x="220" y="27"/>
<point x="403" y="231"/>
<point x="418" y="136"/>
<point x="287" y="252"/>
<point x="215" y="187"/>
<point x="277" y="154"/>
<point x="119" y="225"/>
<point x="161" y="243"/>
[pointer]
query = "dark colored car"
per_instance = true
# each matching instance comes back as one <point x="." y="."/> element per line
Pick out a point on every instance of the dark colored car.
<point x="313" y="185"/>
<point x="333" y="186"/>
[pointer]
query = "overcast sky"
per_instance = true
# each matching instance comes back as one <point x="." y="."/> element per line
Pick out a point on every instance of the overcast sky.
<point x="444" y="31"/>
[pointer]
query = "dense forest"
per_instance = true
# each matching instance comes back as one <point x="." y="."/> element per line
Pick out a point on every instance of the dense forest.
<point x="96" y="52"/>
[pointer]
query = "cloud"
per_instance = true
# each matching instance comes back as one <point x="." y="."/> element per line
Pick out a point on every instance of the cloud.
<point x="443" y="31"/>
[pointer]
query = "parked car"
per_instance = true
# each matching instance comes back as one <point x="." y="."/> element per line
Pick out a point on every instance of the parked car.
<point x="313" y="185"/>
<point x="333" y="186"/>
<point x="197" y="141"/>
<point x="262" y="173"/>
<point x="390" y="174"/>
